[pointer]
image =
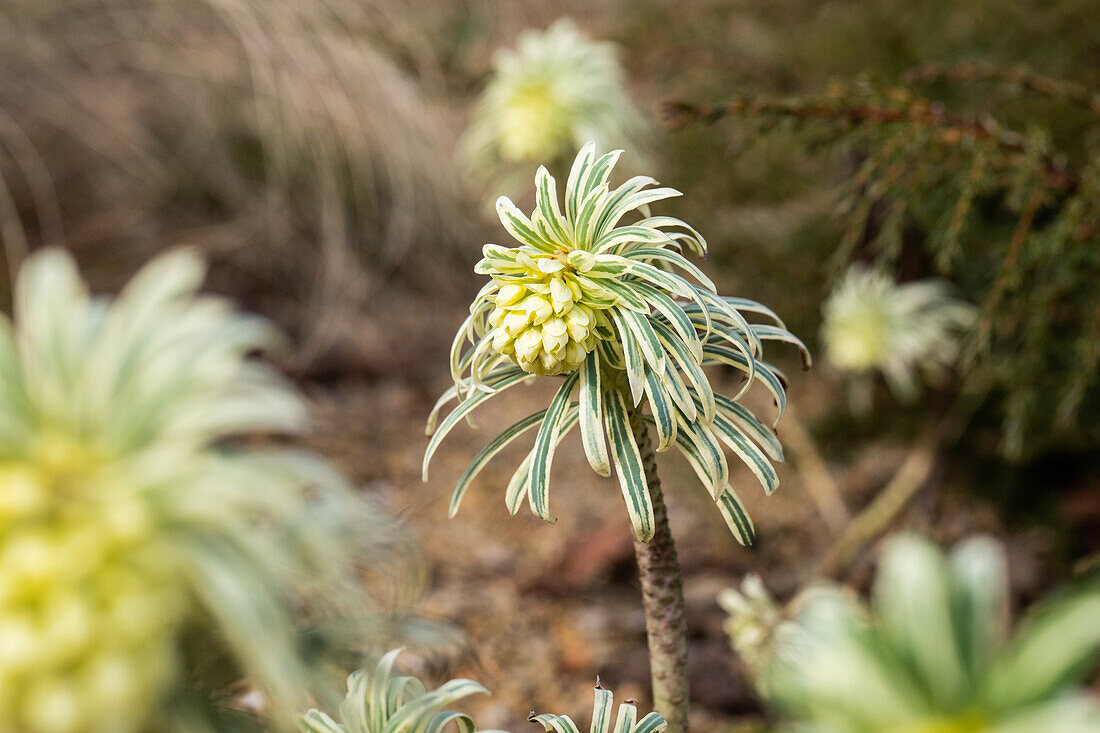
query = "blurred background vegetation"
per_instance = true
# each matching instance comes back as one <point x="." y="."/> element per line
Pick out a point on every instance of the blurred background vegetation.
<point x="309" y="149"/>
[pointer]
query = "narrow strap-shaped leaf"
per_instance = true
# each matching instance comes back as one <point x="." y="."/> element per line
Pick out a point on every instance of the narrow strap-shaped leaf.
<point x="584" y="225"/>
<point x="748" y="452"/>
<point x="650" y="345"/>
<point x="465" y="408"/>
<point x="635" y="366"/>
<point x="630" y="299"/>
<point x="616" y="197"/>
<point x="774" y="333"/>
<point x="577" y="172"/>
<point x="618" y="238"/>
<point x="408" y="717"/>
<point x="630" y="202"/>
<point x="593" y="435"/>
<point x="546" y="195"/>
<point x="691" y="454"/>
<point x="678" y="391"/>
<point x="520" y="227"/>
<point x="652" y="723"/>
<point x="317" y="722"/>
<point x="710" y="451"/>
<point x="455" y="391"/>
<point x="680" y="353"/>
<point x="737" y="519"/>
<point x="751" y="306"/>
<point x="602" y="709"/>
<point x="664" y="414"/>
<point x="628" y="716"/>
<point x="599" y="173"/>
<point x="518" y="485"/>
<point x="670" y="281"/>
<point x="676" y="317"/>
<point x="718" y="307"/>
<point x="698" y="244"/>
<point x="676" y="259"/>
<point x="495" y="446"/>
<point x="378" y="692"/>
<point x="555" y="723"/>
<point x="628" y="467"/>
<point x="743" y="418"/>
<point x="439" y="722"/>
<point x="542" y="455"/>
<point x="724" y="355"/>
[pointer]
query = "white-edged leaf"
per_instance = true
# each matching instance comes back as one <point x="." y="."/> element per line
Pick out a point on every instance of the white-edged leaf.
<point x="628" y="466"/>
<point x="749" y="453"/>
<point x="495" y="446"/>
<point x="504" y="381"/>
<point x="703" y="394"/>
<point x="520" y="227"/>
<point x="743" y="418"/>
<point x="737" y="519"/>
<point x="591" y="408"/>
<point x="635" y="364"/>
<point x="661" y="407"/>
<point x="542" y="456"/>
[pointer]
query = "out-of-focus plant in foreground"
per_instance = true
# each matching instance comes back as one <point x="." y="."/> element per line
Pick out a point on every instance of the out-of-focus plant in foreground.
<point x="139" y="543"/>
<point x="602" y="305"/>
<point x="902" y="331"/>
<point x="935" y="653"/>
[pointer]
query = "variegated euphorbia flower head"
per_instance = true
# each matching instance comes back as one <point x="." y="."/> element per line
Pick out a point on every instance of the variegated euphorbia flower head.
<point x="873" y="324"/>
<point x="617" y="310"/>
<point x="555" y="90"/>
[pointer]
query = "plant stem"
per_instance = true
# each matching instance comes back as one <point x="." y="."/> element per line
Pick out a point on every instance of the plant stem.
<point x="663" y="599"/>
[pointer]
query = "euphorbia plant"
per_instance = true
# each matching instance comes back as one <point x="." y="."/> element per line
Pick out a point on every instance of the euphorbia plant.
<point x="602" y="305"/>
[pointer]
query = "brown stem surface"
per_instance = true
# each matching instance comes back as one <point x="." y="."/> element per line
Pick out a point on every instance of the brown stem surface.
<point x="663" y="599"/>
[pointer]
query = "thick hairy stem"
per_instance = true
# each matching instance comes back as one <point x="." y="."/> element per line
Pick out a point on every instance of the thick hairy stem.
<point x="663" y="598"/>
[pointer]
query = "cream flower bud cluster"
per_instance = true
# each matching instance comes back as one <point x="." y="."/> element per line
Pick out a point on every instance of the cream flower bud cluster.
<point x="87" y="612"/>
<point x="541" y="320"/>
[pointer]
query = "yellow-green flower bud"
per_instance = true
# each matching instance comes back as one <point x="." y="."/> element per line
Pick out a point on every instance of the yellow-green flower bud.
<point x="541" y="323"/>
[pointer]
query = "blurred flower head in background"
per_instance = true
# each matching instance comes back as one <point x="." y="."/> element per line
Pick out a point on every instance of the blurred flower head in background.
<point x="873" y="324"/>
<point x="136" y="544"/>
<point x="757" y="625"/>
<point x="934" y="653"/>
<point x="549" y="95"/>
<point x="602" y="303"/>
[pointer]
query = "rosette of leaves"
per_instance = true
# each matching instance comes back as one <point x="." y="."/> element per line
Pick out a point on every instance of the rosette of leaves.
<point x="625" y="722"/>
<point x="902" y="331"/>
<point x="625" y="320"/>
<point x="147" y="558"/>
<point x="935" y="653"/>
<point x="546" y="97"/>
<point x="383" y="702"/>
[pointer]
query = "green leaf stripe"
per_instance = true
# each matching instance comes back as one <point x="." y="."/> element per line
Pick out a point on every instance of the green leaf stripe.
<point x="542" y="456"/>
<point x="628" y="467"/>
